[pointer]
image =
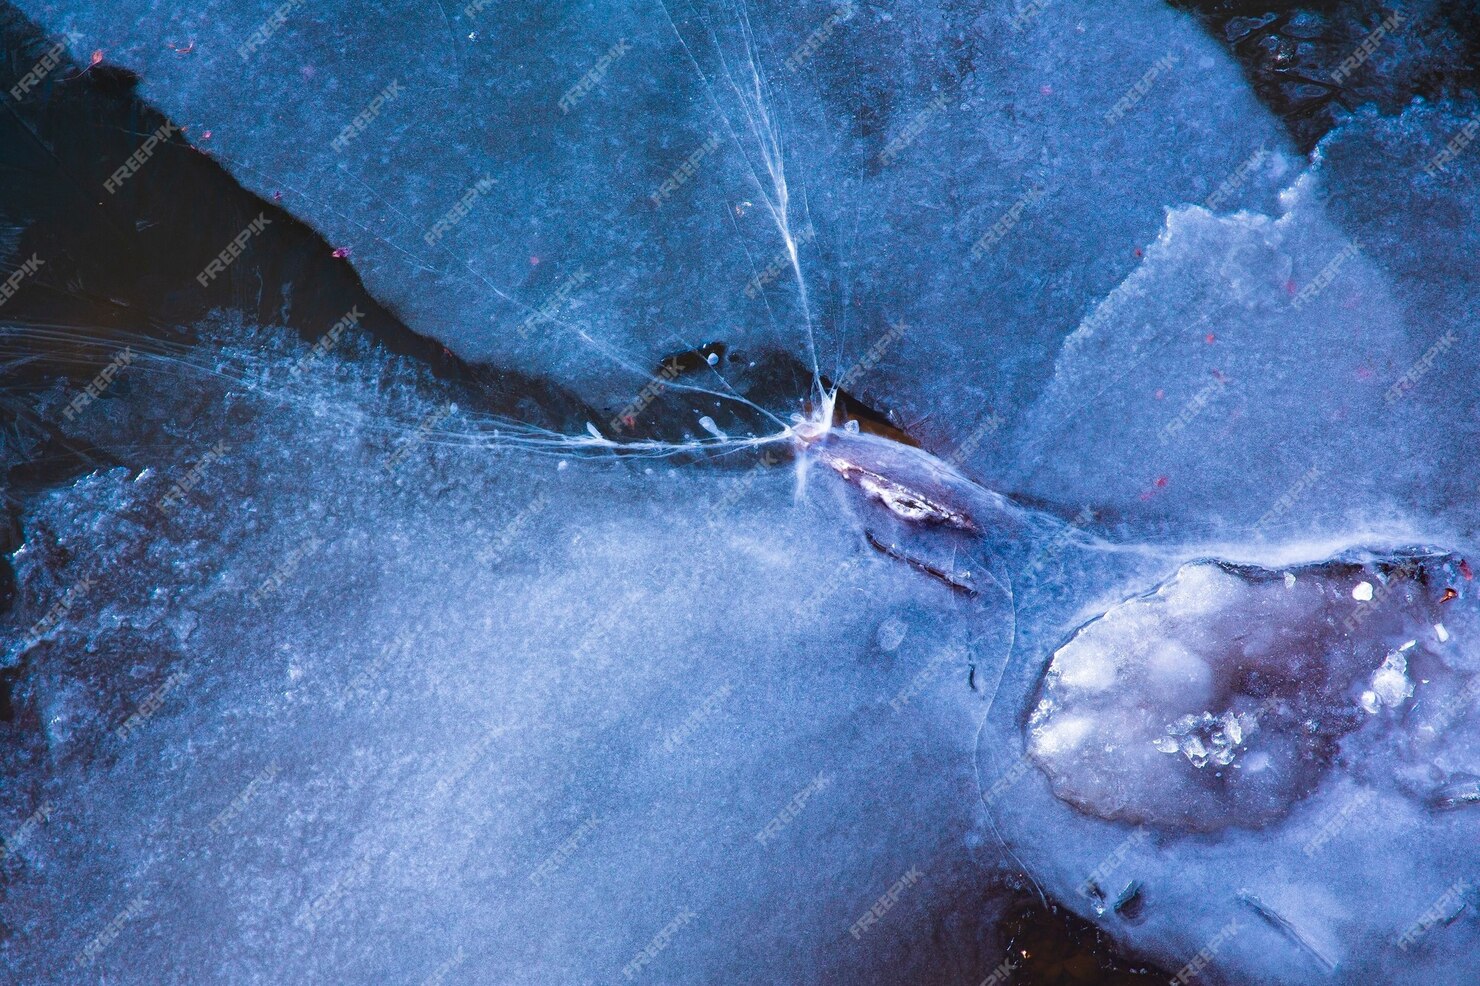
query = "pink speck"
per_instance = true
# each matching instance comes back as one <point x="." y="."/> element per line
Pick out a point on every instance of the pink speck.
<point x="1464" y="569"/>
<point x="534" y="261"/>
<point x="97" y="56"/>
<point x="1160" y="394"/>
<point x="1046" y="90"/>
<point x="341" y="252"/>
<point x="1161" y="482"/>
<point x="1210" y="338"/>
<point x="206" y="135"/>
<point x="1289" y="287"/>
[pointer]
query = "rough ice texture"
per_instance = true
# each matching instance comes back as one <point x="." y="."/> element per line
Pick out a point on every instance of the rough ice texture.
<point x="1228" y="392"/>
<point x="890" y="154"/>
<point x="1223" y="698"/>
<point x="366" y="700"/>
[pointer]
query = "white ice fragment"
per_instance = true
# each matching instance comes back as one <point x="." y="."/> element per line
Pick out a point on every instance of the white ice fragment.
<point x="1390" y="684"/>
<point x="1442" y="633"/>
<point x="712" y="359"/>
<point x="1363" y="592"/>
<point x="592" y="430"/>
<point x="707" y="423"/>
<point x="1289" y="580"/>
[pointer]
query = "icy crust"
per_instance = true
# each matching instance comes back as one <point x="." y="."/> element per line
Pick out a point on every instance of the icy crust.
<point x="371" y="699"/>
<point x="1224" y="696"/>
<point x="662" y="172"/>
<point x="1362" y="867"/>
<point x="1302" y="374"/>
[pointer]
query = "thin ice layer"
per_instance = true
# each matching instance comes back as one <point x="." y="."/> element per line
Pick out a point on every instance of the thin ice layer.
<point x="340" y="697"/>
<point x="579" y="191"/>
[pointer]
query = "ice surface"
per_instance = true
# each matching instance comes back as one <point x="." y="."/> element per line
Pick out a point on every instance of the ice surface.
<point x="390" y="689"/>
<point x="374" y="699"/>
<point x="970" y="172"/>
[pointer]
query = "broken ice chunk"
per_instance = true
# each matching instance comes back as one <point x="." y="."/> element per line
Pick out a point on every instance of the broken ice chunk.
<point x="1222" y="697"/>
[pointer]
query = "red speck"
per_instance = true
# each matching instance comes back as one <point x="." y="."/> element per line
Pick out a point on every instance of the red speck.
<point x="1464" y="569"/>
<point x="97" y="56"/>
<point x="1160" y="394"/>
<point x="341" y="252"/>
<point x="1209" y="338"/>
<point x="1161" y="482"/>
<point x="1138" y="252"/>
<point x="1449" y="594"/>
